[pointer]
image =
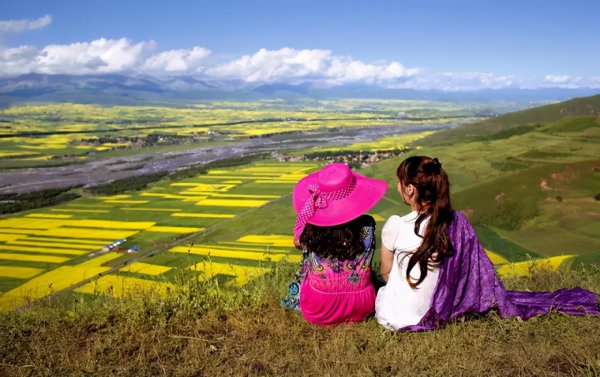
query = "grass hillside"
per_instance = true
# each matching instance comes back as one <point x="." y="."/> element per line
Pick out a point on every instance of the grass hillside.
<point x="207" y="330"/>
<point x="518" y="122"/>
<point x="529" y="180"/>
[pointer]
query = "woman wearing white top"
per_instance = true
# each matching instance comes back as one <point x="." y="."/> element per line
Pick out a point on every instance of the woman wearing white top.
<point x="414" y="245"/>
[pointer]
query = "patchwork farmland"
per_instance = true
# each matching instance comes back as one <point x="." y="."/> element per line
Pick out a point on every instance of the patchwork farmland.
<point x="47" y="251"/>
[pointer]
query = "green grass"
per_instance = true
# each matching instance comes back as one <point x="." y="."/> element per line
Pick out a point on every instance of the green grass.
<point x="495" y="242"/>
<point x="210" y="330"/>
<point x="501" y="126"/>
<point x="7" y="284"/>
<point x="575" y="124"/>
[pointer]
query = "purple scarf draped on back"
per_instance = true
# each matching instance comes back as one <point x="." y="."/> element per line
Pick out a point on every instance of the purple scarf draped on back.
<point x="467" y="283"/>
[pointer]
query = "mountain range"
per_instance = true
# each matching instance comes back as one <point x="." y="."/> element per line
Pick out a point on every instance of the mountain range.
<point x="136" y="89"/>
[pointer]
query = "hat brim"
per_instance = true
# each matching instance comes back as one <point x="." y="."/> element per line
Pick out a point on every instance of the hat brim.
<point x="366" y="193"/>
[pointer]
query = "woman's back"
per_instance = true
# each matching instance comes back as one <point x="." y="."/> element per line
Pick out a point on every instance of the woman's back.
<point x="336" y="289"/>
<point x="398" y="304"/>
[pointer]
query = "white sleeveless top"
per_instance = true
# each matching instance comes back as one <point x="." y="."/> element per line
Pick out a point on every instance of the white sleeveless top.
<point x="397" y="304"/>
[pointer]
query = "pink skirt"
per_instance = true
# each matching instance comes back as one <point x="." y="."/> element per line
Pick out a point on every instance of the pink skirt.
<point x="328" y="302"/>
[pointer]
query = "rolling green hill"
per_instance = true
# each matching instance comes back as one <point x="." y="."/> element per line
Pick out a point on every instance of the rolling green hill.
<point x="520" y="121"/>
<point x="531" y="178"/>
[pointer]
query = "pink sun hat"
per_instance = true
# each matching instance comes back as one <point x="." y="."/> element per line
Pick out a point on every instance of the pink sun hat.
<point x="334" y="195"/>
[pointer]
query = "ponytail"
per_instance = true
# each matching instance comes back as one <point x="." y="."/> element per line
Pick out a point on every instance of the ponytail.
<point x="433" y="195"/>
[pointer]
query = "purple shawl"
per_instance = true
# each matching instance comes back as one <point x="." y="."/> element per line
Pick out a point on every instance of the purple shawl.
<point x="467" y="283"/>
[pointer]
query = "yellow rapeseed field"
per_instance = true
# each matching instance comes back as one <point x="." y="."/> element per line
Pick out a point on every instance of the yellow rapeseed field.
<point x="79" y="210"/>
<point x="203" y="215"/>
<point x="122" y="201"/>
<point x="270" y="239"/>
<point x="192" y="196"/>
<point x="120" y="286"/>
<point x="200" y="186"/>
<point x="276" y="181"/>
<point x="32" y="258"/>
<point x="53" y="223"/>
<point x="495" y="258"/>
<point x="231" y="203"/>
<point x="12" y="154"/>
<point x="114" y="197"/>
<point x="49" y="215"/>
<point x="109" y="224"/>
<point x="243" y="247"/>
<point x="248" y="196"/>
<point x="61" y="245"/>
<point x="146" y="268"/>
<point x="16" y="272"/>
<point x="83" y="243"/>
<point x="43" y="250"/>
<point x="527" y="267"/>
<point x="378" y="218"/>
<point x="108" y="235"/>
<point x="14" y="231"/>
<point x="54" y="280"/>
<point x="231" y="253"/>
<point x="173" y="229"/>
<point x="241" y="274"/>
<point x="10" y="237"/>
<point x="151" y="209"/>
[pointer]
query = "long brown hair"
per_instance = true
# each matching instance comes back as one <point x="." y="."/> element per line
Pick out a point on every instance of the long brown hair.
<point x="340" y="242"/>
<point x="433" y="196"/>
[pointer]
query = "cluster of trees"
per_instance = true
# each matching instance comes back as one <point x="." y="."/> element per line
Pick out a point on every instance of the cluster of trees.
<point x="11" y="203"/>
<point x="146" y="141"/>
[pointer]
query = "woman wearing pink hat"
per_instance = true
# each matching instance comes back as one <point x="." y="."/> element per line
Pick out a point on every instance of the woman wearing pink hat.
<point x="334" y="284"/>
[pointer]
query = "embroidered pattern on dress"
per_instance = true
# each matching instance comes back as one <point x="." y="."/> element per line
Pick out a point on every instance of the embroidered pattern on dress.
<point x="345" y="275"/>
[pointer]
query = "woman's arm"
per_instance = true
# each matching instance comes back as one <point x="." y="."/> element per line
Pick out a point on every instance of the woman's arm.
<point x="387" y="259"/>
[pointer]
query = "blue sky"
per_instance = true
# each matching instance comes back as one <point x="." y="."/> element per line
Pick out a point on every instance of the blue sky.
<point x="416" y="43"/>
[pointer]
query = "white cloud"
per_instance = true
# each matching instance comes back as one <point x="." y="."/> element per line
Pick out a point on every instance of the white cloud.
<point x="565" y="81"/>
<point x="17" y="60"/>
<point x="177" y="61"/>
<point x="99" y="56"/>
<point x="286" y="65"/>
<point x="17" y="26"/>
<point x="557" y="79"/>
<point x="594" y="82"/>
<point x="461" y="81"/>
<point x="290" y="65"/>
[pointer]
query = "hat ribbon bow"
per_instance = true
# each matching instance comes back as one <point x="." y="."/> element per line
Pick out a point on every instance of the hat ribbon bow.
<point x="319" y="198"/>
